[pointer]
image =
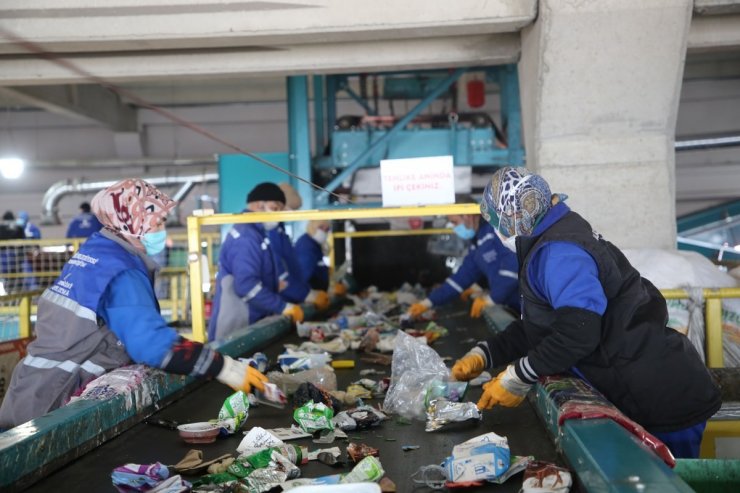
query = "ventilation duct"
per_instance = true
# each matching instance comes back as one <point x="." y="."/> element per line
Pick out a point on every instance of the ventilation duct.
<point x="50" y="203"/>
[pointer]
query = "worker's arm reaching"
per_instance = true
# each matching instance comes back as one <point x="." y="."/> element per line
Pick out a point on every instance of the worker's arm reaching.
<point x="566" y="277"/>
<point x="129" y="310"/>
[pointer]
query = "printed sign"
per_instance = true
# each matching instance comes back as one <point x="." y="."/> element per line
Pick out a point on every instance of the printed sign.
<point x="417" y="181"/>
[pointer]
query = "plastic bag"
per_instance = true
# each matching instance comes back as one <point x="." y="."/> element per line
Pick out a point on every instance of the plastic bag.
<point x="414" y="367"/>
<point x="323" y="377"/>
<point x="696" y="320"/>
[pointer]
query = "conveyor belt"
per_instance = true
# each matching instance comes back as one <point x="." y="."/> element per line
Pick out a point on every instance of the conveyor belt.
<point x="146" y="443"/>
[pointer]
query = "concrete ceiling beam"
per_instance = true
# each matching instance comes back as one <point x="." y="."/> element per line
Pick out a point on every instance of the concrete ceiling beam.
<point x="143" y="25"/>
<point x="714" y="33"/>
<point x="84" y="102"/>
<point x="716" y="7"/>
<point x="383" y="55"/>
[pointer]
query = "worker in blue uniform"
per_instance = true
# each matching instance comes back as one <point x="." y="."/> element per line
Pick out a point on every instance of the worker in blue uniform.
<point x="247" y="282"/>
<point x="31" y="231"/>
<point x="586" y="310"/>
<point x="310" y="254"/>
<point x="486" y="259"/>
<point x="102" y="313"/>
<point x="83" y="224"/>
<point x="293" y="287"/>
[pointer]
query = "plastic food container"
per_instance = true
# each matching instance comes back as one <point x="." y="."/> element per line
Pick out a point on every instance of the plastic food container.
<point x="199" y="432"/>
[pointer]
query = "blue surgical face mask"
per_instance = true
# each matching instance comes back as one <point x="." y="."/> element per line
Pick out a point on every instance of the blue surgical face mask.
<point x="154" y="242"/>
<point x="464" y="232"/>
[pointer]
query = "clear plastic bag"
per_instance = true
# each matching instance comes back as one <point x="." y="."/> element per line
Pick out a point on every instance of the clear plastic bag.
<point x="414" y="367"/>
<point x="323" y="377"/>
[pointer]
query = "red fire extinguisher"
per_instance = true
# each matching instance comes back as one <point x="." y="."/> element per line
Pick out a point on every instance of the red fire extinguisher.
<point x="476" y="90"/>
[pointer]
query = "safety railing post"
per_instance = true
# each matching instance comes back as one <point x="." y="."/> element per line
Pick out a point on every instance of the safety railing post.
<point x="196" y="279"/>
<point x="24" y="317"/>
<point x="332" y="255"/>
<point x="175" y="295"/>
<point x="713" y="321"/>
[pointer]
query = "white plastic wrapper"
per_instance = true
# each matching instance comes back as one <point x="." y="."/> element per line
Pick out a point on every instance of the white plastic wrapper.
<point x="414" y="366"/>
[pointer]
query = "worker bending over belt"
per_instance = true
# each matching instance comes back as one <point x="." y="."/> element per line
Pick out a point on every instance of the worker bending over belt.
<point x="102" y="313"/>
<point x="487" y="258"/>
<point x="587" y="310"/>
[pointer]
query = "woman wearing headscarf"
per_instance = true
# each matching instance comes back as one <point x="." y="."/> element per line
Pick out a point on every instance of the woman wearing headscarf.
<point x="102" y="313"/>
<point x="586" y="310"/>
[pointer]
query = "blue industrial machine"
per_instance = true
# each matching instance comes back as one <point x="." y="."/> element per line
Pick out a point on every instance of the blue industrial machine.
<point x="472" y="139"/>
<point x="344" y="144"/>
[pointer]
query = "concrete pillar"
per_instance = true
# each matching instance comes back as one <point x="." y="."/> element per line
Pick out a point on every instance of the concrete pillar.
<point x="600" y="85"/>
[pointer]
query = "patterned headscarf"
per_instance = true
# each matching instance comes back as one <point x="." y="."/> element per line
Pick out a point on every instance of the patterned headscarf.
<point x="131" y="208"/>
<point x="514" y="200"/>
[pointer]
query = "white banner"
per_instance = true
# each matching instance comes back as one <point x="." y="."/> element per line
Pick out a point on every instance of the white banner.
<point x="417" y="181"/>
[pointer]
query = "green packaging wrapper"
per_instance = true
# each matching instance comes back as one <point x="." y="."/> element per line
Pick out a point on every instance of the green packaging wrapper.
<point x="368" y="469"/>
<point x="313" y="417"/>
<point x="234" y="412"/>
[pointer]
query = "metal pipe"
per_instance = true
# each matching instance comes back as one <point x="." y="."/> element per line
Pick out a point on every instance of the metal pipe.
<point x="50" y="202"/>
<point x="323" y="196"/>
<point x="709" y="142"/>
<point x="124" y="163"/>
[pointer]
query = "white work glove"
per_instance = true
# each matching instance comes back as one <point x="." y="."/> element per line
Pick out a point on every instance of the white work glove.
<point x="240" y="376"/>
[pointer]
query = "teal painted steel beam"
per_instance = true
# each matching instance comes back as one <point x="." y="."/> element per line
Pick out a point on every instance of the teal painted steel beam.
<point x="299" y="137"/>
<point x="35" y="449"/>
<point x="358" y="99"/>
<point x="696" y="222"/>
<point x="331" y="103"/>
<point x="319" y="122"/>
<point x="323" y="197"/>
<point x="511" y="113"/>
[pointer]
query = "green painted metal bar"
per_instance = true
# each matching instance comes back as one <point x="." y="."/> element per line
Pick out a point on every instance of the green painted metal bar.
<point x="299" y="136"/>
<point x="607" y="458"/>
<point x="35" y="449"/>
<point x="323" y="197"/>
<point x="319" y="122"/>
<point x="710" y="475"/>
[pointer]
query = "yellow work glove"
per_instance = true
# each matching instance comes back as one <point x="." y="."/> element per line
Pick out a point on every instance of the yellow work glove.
<point x="340" y="289"/>
<point x="417" y="309"/>
<point x="320" y="299"/>
<point x="240" y="376"/>
<point x="472" y="292"/>
<point x="469" y="366"/>
<point x="465" y="295"/>
<point x="507" y="390"/>
<point x="295" y="312"/>
<point x="479" y="304"/>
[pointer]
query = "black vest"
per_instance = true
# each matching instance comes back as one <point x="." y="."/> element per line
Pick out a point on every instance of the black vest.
<point x="649" y="371"/>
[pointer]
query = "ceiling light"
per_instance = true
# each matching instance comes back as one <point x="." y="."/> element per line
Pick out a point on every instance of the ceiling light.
<point x="11" y="168"/>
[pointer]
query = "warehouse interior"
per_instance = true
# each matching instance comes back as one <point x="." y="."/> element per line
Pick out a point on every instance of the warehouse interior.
<point x="628" y="107"/>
